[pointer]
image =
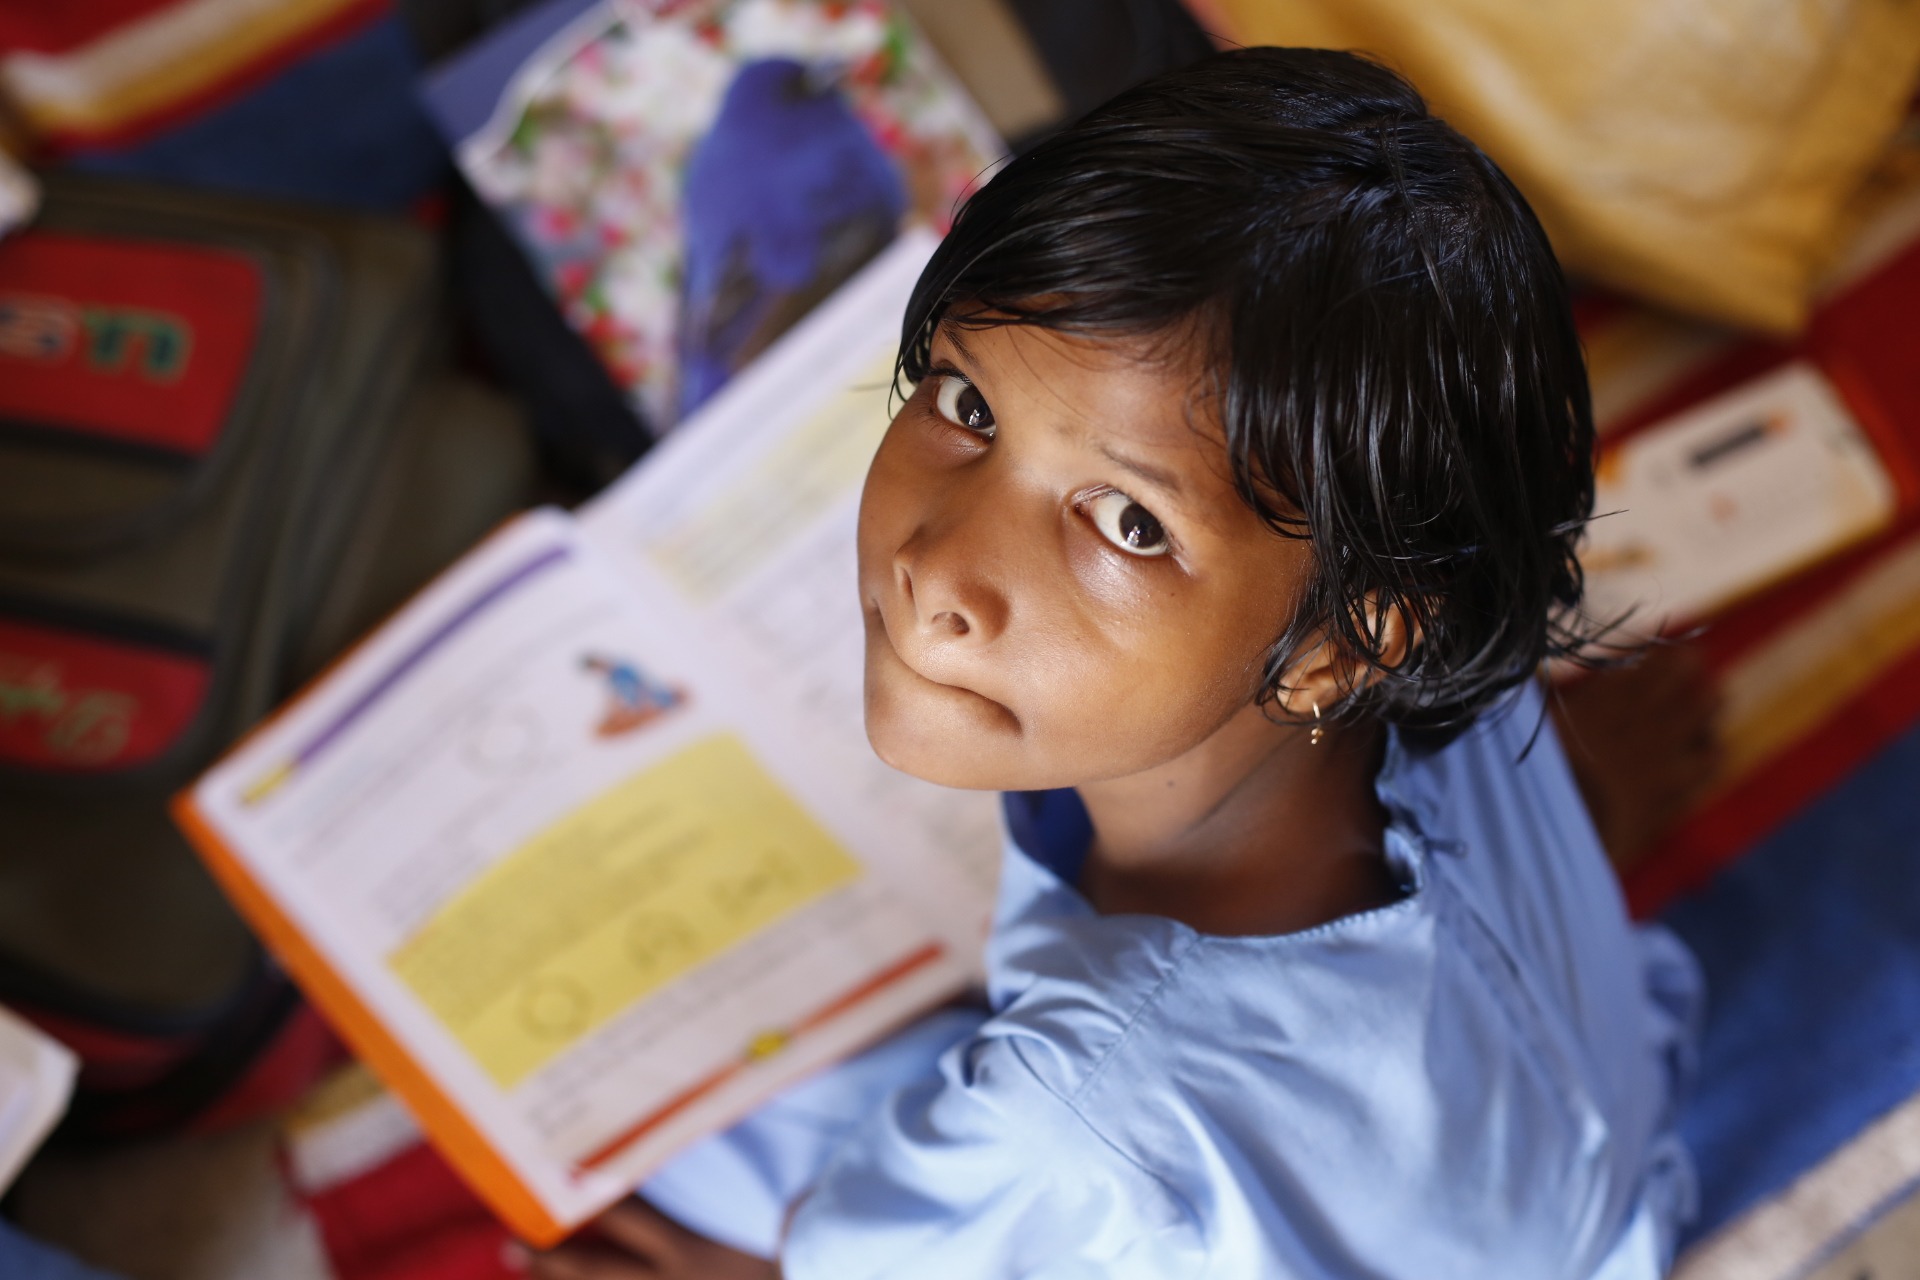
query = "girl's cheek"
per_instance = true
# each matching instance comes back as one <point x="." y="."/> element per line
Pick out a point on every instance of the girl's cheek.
<point x="1122" y="588"/>
<point x="889" y="499"/>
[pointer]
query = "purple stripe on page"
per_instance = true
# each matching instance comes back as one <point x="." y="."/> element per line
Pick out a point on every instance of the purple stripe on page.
<point x="432" y="640"/>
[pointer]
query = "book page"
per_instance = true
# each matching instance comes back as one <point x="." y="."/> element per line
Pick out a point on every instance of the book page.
<point x="583" y="870"/>
<point x="750" y="514"/>
<point x="1729" y="497"/>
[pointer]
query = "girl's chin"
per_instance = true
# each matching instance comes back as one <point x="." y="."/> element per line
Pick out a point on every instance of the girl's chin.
<point x="947" y="755"/>
<point x="945" y="736"/>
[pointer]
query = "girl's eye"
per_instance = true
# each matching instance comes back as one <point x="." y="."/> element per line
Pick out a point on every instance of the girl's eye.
<point x="1128" y="525"/>
<point x="961" y="403"/>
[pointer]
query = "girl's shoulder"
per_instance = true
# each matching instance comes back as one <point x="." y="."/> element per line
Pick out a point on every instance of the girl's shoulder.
<point x="1081" y="996"/>
<point x="1409" y="1083"/>
<point x="1382" y="1069"/>
<point x="1511" y="936"/>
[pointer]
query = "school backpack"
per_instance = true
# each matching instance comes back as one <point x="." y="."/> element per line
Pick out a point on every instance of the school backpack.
<point x="229" y="441"/>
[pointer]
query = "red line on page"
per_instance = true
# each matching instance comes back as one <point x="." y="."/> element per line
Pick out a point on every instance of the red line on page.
<point x="840" y="1004"/>
<point x="885" y="978"/>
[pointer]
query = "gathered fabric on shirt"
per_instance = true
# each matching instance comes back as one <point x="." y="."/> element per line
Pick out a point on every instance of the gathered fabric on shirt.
<point x="1476" y="1080"/>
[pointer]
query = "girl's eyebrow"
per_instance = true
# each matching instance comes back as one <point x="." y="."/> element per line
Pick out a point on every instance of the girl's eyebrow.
<point x="951" y="332"/>
<point x="1160" y="478"/>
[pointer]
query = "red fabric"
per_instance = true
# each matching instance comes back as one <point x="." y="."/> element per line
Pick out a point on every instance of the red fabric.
<point x="1865" y="340"/>
<point x="226" y="89"/>
<point x="112" y="1061"/>
<point x="132" y="340"/>
<point x="409" y="1219"/>
<point x="79" y="703"/>
<point x="57" y="28"/>
<point x="1773" y="793"/>
<point x="121" y="1062"/>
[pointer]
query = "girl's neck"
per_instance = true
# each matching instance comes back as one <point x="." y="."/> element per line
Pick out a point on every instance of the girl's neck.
<point x="1255" y="831"/>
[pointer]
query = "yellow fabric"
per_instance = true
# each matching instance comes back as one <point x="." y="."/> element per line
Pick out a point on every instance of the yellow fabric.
<point x="1696" y="152"/>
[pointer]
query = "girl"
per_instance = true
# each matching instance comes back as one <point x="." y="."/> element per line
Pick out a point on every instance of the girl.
<point x="1230" y="519"/>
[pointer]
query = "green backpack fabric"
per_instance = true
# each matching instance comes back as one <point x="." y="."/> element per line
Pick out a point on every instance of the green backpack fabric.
<point x="230" y="440"/>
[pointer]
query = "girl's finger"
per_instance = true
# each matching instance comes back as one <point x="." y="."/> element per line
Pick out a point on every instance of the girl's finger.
<point x="577" y="1262"/>
<point x="641" y="1229"/>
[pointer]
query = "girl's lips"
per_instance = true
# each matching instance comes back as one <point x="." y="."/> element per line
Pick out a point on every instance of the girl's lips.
<point x="877" y="622"/>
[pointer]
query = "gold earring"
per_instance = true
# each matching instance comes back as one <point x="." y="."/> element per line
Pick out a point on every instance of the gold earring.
<point x="1319" y="733"/>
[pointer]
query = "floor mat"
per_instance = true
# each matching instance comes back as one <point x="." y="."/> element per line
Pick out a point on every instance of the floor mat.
<point x="1811" y="946"/>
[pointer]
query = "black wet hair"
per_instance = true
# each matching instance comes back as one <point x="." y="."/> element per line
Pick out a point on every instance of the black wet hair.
<point x="1392" y="351"/>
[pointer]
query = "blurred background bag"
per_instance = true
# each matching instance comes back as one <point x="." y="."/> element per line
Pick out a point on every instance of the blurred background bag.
<point x="1694" y="152"/>
<point x="228" y="442"/>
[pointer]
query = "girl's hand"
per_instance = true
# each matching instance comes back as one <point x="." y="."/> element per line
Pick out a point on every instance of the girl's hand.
<point x="635" y="1241"/>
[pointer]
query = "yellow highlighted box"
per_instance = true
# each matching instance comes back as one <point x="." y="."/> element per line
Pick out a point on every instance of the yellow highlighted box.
<point x="648" y="880"/>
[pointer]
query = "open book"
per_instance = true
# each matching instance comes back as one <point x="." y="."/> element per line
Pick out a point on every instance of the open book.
<point x="584" y="851"/>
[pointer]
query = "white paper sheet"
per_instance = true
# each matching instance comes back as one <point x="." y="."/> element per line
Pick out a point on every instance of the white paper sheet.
<point x="1728" y="497"/>
<point x="36" y="1080"/>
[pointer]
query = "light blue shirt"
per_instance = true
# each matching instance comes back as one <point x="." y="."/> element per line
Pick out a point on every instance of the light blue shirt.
<point x="1475" y="1081"/>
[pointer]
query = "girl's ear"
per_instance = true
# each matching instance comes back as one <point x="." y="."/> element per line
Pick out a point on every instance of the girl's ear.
<point x="1327" y="673"/>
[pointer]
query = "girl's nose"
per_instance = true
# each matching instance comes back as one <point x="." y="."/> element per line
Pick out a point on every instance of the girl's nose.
<point x="949" y="572"/>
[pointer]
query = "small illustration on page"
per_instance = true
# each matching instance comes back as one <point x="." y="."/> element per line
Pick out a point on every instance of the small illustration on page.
<point x="634" y="700"/>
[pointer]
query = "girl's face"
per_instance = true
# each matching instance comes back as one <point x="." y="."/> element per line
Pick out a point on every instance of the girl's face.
<point x="1061" y="585"/>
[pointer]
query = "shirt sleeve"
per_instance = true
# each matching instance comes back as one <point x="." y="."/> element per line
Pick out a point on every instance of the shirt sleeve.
<point x="985" y="1171"/>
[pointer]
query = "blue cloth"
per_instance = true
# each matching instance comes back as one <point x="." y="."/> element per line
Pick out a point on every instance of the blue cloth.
<point x="22" y="1258"/>
<point x="1811" y="947"/>
<point x="1475" y="1080"/>
<point x="342" y="126"/>
<point x="737" y="1187"/>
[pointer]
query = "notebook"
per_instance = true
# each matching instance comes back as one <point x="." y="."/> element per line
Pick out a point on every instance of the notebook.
<point x="1722" y="500"/>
